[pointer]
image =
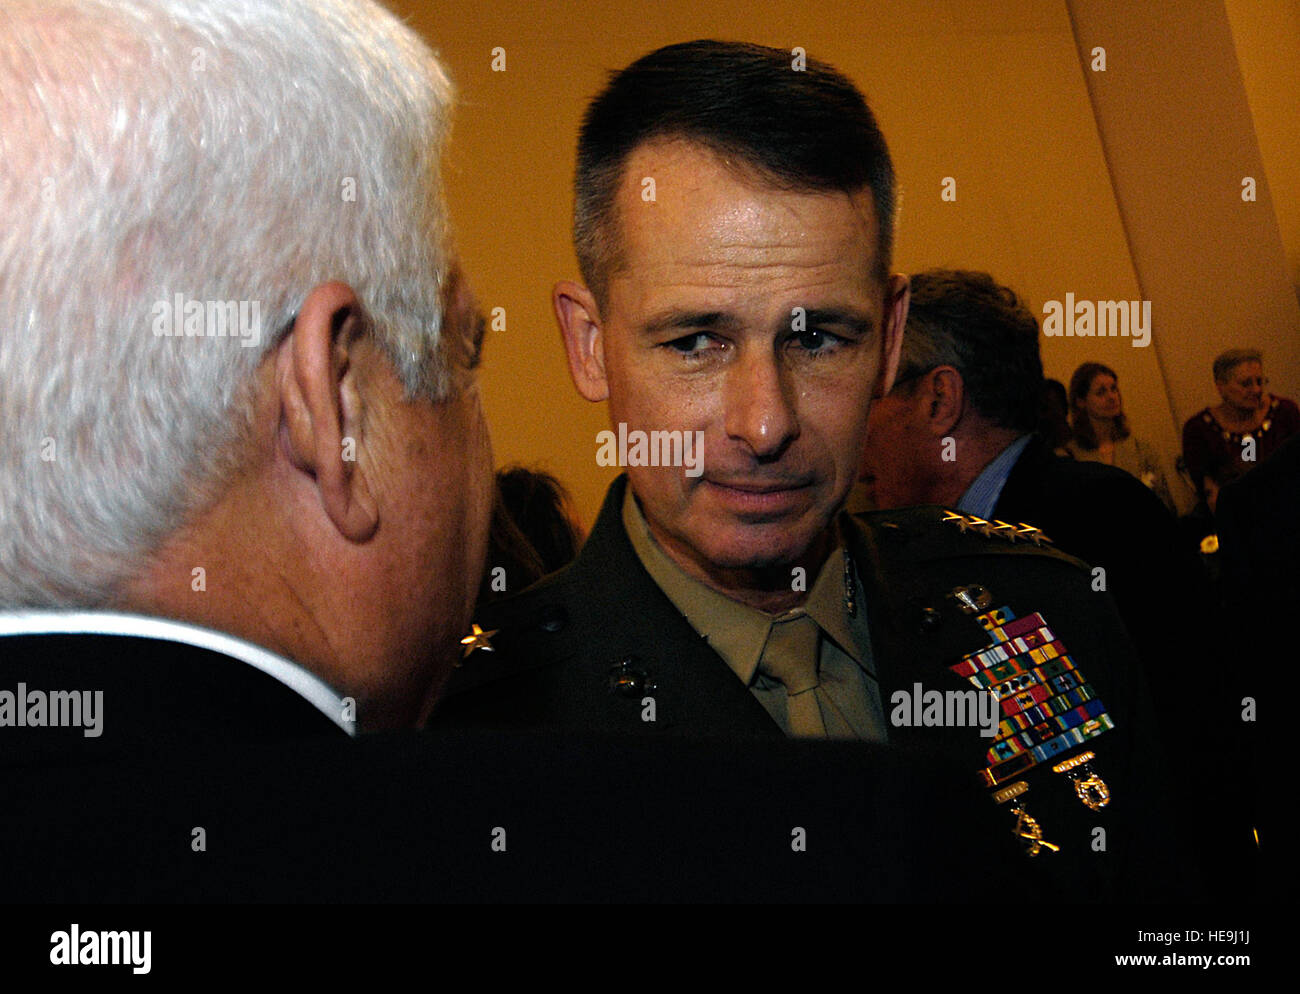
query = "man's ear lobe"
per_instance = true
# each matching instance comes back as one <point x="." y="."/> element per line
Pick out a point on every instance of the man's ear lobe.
<point x="321" y="406"/>
<point x="578" y="316"/>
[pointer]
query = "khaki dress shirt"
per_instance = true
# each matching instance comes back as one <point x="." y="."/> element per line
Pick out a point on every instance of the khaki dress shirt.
<point x="848" y="691"/>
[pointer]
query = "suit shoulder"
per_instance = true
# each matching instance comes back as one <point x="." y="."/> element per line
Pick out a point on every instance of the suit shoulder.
<point x="1095" y="474"/>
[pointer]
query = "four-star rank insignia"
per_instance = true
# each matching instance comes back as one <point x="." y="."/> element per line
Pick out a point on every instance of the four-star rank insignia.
<point x="996" y="529"/>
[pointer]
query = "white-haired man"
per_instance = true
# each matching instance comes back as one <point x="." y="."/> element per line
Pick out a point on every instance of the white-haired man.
<point x="245" y="477"/>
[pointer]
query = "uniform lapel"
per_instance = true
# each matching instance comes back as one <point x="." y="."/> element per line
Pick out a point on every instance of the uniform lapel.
<point x="695" y="689"/>
<point x="608" y="635"/>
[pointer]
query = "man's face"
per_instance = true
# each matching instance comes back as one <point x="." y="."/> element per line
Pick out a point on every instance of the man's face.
<point x="1244" y="387"/>
<point x="898" y="453"/>
<point x="700" y="333"/>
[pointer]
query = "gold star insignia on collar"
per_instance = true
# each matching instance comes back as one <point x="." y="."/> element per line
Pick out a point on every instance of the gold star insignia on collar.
<point x="964" y="522"/>
<point x="1004" y="530"/>
<point x="1034" y="535"/>
<point x="478" y="639"/>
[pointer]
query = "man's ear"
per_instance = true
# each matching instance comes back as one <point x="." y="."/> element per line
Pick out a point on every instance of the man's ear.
<point x="321" y="406"/>
<point x="893" y="321"/>
<point x="944" y="394"/>
<point x="578" y="316"/>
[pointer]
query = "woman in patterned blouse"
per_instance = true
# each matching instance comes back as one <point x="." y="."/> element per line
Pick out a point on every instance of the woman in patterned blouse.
<point x="1221" y="443"/>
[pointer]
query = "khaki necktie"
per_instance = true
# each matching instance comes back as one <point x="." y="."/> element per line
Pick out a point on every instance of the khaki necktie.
<point x="790" y="657"/>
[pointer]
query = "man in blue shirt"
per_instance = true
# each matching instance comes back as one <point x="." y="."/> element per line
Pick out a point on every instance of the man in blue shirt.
<point x="957" y="429"/>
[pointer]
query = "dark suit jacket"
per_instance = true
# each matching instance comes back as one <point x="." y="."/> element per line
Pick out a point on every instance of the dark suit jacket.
<point x="1259" y="532"/>
<point x="190" y="739"/>
<point x="212" y="782"/>
<point x="1107" y="517"/>
<point x="158" y="695"/>
<point x="1259" y="545"/>
<point x="565" y="649"/>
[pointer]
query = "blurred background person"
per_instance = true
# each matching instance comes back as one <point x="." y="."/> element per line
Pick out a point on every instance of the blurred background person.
<point x="1099" y="431"/>
<point x="535" y="531"/>
<point x="1223" y="442"/>
<point x="542" y="508"/>
<point x="958" y="429"/>
<point x="1054" y="417"/>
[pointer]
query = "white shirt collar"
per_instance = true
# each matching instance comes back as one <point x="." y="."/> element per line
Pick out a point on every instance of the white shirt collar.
<point x="307" y="684"/>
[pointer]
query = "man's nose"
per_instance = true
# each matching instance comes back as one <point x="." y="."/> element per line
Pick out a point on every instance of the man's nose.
<point x="761" y="405"/>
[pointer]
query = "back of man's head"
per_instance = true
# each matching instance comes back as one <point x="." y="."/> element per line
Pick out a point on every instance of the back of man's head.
<point x="966" y="320"/>
<point x="175" y="177"/>
<point x="799" y="123"/>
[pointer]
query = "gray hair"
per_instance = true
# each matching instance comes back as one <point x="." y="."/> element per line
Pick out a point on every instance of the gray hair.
<point x="202" y="148"/>
<point x="965" y="319"/>
<point x="1226" y="362"/>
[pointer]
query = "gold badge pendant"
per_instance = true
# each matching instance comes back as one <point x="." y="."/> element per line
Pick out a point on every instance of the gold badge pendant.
<point x="1090" y="788"/>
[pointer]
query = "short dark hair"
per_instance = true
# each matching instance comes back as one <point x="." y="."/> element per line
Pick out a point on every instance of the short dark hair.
<point x="964" y="319"/>
<point x="1080" y="423"/>
<point x="805" y="129"/>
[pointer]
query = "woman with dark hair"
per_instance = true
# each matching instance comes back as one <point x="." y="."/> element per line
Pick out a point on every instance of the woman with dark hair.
<point x="1100" y="431"/>
<point x="534" y="532"/>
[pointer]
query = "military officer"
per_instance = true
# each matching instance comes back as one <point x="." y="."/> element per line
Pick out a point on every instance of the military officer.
<point x="734" y="223"/>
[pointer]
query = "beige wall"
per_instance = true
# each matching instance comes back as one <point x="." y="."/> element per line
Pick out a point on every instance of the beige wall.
<point x="996" y="99"/>
<point x="1267" y="37"/>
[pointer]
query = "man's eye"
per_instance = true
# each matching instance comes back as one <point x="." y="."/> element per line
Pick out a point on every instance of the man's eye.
<point x="817" y="340"/>
<point x="691" y="344"/>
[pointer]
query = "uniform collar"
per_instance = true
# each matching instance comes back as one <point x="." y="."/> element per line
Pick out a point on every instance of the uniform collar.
<point x="735" y="631"/>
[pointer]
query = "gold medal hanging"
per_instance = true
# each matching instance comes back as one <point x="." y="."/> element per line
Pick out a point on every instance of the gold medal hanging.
<point x="1090" y="788"/>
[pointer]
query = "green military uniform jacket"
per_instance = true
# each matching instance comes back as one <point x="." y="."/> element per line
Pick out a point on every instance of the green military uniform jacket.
<point x="583" y="649"/>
